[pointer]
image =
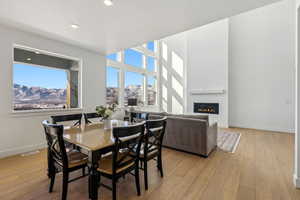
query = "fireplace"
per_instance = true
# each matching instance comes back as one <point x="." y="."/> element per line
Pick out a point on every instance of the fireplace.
<point x="210" y="108"/>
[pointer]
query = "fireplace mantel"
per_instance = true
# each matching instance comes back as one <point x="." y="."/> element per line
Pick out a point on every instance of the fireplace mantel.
<point x="206" y="92"/>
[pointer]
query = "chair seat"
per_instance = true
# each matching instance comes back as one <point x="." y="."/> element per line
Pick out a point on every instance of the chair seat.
<point x="105" y="164"/>
<point x="76" y="158"/>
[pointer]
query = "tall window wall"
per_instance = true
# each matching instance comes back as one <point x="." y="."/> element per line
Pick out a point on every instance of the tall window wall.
<point x="133" y="74"/>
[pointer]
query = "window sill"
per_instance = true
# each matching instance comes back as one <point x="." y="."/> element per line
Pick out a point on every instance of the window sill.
<point x="45" y="112"/>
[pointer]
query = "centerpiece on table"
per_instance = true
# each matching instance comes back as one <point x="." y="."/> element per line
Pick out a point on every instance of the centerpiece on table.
<point x="105" y="112"/>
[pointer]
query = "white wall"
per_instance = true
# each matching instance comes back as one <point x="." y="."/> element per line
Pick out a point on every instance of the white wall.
<point x="173" y="73"/>
<point x="23" y="132"/>
<point x="296" y="176"/>
<point x="261" y="68"/>
<point x="252" y="57"/>
<point x="204" y="55"/>
<point x="207" y="69"/>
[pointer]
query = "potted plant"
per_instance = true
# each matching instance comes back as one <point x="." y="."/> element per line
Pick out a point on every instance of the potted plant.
<point x="105" y="113"/>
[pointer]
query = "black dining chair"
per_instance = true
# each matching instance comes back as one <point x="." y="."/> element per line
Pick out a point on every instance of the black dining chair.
<point x="124" y="157"/>
<point x="152" y="145"/>
<point x="61" y="160"/>
<point x="88" y="116"/>
<point x="64" y="118"/>
<point x="74" y="118"/>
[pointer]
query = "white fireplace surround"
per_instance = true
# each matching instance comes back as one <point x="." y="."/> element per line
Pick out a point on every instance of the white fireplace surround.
<point x="211" y="96"/>
<point x="207" y="91"/>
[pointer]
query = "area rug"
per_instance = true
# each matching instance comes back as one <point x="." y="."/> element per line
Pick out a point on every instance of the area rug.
<point x="228" y="141"/>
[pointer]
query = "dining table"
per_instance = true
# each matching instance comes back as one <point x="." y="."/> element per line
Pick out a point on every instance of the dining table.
<point x="93" y="139"/>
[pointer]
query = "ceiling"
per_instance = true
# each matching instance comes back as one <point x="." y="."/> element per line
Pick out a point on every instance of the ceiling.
<point x="128" y="23"/>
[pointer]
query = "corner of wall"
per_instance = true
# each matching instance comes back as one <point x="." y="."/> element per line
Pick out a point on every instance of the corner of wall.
<point x="296" y="180"/>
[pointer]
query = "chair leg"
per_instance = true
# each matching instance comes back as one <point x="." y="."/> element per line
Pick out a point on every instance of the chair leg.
<point x="137" y="180"/>
<point x="159" y="160"/>
<point x="83" y="171"/>
<point x="65" y="185"/>
<point x="114" y="188"/>
<point x="52" y="180"/>
<point x="50" y="164"/>
<point x="146" y="174"/>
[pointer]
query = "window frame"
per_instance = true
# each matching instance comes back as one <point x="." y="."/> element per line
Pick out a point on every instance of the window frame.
<point x="120" y="64"/>
<point x="50" y="110"/>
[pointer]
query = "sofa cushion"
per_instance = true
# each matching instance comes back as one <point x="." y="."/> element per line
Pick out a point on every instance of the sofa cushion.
<point x="195" y="116"/>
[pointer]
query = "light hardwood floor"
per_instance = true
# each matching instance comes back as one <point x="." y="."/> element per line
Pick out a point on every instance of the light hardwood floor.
<point x="261" y="169"/>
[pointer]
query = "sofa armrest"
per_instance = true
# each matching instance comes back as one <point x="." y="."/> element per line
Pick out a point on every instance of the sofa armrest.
<point x="212" y="134"/>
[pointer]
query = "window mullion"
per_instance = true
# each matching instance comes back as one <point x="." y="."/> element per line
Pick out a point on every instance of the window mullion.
<point x="145" y="92"/>
<point x="121" y="80"/>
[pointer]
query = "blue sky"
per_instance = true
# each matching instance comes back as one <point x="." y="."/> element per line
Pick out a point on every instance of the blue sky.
<point x="26" y="74"/>
<point x="39" y="76"/>
<point x="112" y="77"/>
<point x="132" y="78"/>
<point x="133" y="58"/>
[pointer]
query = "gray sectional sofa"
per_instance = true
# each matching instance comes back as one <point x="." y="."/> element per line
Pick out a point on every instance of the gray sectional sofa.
<point x="189" y="133"/>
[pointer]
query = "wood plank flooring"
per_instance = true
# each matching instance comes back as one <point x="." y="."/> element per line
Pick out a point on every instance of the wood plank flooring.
<point x="260" y="169"/>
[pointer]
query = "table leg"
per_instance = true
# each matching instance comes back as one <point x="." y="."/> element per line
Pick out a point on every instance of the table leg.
<point x="93" y="177"/>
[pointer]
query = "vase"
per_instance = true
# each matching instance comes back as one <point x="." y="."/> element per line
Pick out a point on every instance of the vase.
<point x="107" y="124"/>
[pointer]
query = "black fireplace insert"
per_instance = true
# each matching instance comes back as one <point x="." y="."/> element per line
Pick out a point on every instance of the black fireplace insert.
<point x="210" y="108"/>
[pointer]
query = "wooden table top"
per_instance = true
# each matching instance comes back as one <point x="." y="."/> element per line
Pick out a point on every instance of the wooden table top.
<point x="92" y="136"/>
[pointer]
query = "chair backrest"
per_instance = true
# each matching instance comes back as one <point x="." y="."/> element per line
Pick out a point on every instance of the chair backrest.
<point x="56" y="145"/>
<point x="127" y="146"/>
<point x="63" y="118"/>
<point x="155" y="130"/>
<point x="88" y="116"/>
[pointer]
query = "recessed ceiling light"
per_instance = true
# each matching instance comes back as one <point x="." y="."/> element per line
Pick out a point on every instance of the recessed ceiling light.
<point x="108" y="2"/>
<point x="74" y="26"/>
<point x="29" y="59"/>
<point x="37" y="52"/>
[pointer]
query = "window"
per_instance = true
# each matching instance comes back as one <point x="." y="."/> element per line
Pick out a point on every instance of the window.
<point x="151" y="46"/>
<point x="134" y="87"/>
<point x="132" y="80"/>
<point x="151" y="87"/>
<point x="113" y="56"/>
<point x="112" y="85"/>
<point x="133" y="58"/>
<point x="42" y="81"/>
<point x="151" y="64"/>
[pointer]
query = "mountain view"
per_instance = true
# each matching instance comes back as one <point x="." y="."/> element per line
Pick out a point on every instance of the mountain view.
<point x="131" y="91"/>
<point x="28" y="98"/>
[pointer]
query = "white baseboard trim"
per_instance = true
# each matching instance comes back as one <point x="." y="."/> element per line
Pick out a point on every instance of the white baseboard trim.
<point x="24" y="149"/>
<point x="296" y="181"/>
<point x="224" y="126"/>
